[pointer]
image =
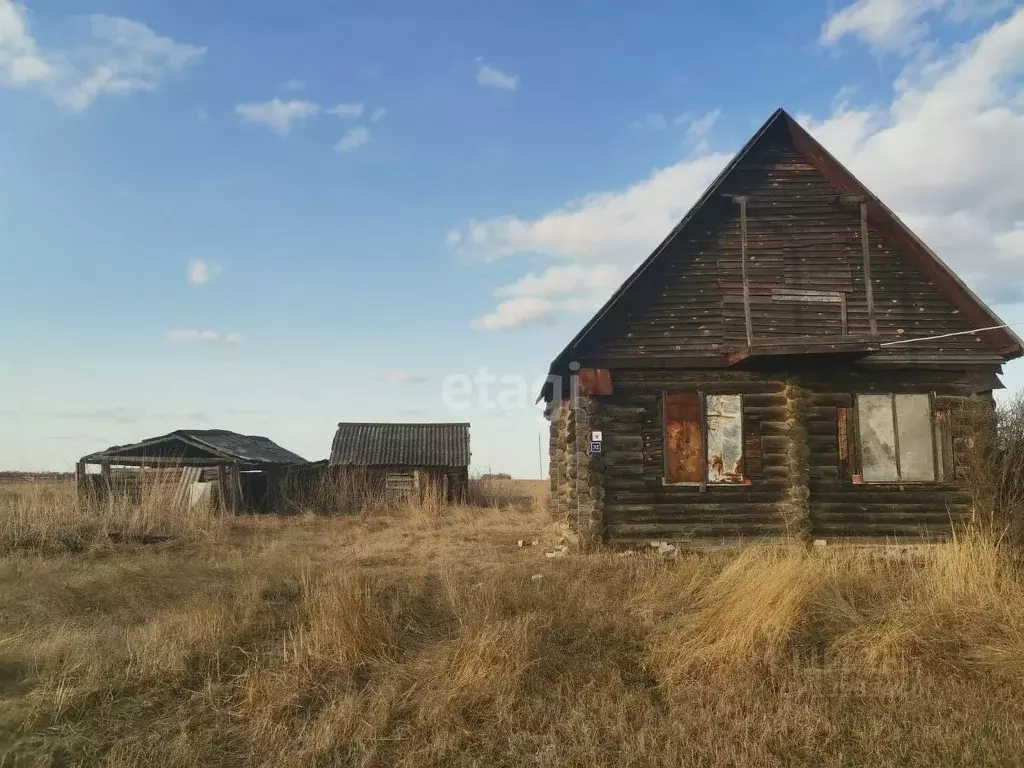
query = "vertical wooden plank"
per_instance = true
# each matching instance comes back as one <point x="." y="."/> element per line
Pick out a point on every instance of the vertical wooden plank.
<point x="80" y="480"/>
<point x="843" y="441"/>
<point x="236" y="490"/>
<point x="684" y="439"/>
<point x="223" y="501"/>
<point x="896" y="435"/>
<point x="856" y="462"/>
<point x="868" y="287"/>
<point x="702" y="427"/>
<point x="105" y="490"/>
<point x="743" y="271"/>
<point x="944" y="447"/>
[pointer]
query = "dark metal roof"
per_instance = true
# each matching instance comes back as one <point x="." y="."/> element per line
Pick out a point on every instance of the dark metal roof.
<point x="415" y="445"/>
<point x="203" y="443"/>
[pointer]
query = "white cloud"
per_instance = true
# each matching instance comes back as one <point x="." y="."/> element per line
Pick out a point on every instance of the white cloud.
<point x="129" y="58"/>
<point x="120" y="56"/>
<point x="404" y="377"/>
<point x="492" y="77"/>
<point x="899" y="25"/>
<point x="353" y="139"/>
<point x="204" y="337"/>
<point x="346" y="110"/>
<point x="700" y="128"/>
<point x="201" y="272"/>
<point x="601" y="228"/>
<point x="20" y="61"/>
<point x="276" y="114"/>
<point x="378" y="114"/>
<point x="508" y="314"/>
<point x="560" y="281"/>
<point x="944" y="153"/>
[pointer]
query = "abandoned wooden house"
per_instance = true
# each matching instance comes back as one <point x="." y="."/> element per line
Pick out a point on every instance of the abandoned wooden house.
<point x="223" y="470"/>
<point x="784" y="363"/>
<point x="392" y="458"/>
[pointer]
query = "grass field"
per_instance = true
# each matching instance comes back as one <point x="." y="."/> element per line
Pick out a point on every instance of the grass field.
<point x="426" y="636"/>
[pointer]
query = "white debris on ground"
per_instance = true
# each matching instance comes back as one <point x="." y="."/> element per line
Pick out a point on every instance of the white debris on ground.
<point x="537" y="577"/>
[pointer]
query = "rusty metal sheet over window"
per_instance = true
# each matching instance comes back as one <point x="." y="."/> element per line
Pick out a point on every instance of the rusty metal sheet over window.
<point x="725" y="438"/>
<point x="595" y="381"/>
<point x="877" y="438"/>
<point x="684" y="444"/>
<point x="914" y="428"/>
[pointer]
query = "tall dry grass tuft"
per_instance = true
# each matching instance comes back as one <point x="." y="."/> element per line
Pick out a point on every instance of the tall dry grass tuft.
<point x="989" y="446"/>
<point x="425" y="636"/>
<point x="960" y="609"/>
<point x="496" y="493"/>
<point x="765" y="607"/>
<point x="50" y="516"/>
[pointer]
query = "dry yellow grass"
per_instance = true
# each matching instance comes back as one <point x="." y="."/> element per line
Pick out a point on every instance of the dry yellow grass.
<point x="424" y="637"/>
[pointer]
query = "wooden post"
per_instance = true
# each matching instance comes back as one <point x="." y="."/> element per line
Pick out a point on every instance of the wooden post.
<point x="80" y="480"/>
<point x="743" y="270"/>
<point x="105" y="479"/>
<point x="236" y="490"/>
<point x="869" y="289"/>
<point x="222" y="489"/>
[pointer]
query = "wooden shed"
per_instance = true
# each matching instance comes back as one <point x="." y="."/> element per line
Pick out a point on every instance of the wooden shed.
<point x="394" y="458"/>
<point x="232" y="472"/>
<point x="784" y="363"/>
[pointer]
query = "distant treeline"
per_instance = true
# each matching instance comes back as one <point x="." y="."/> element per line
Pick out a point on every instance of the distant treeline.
<point x="33" y="477"/>
<point x="496" y="476"/>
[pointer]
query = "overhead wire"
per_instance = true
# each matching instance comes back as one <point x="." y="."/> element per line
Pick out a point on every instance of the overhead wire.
<point x="950" y="335"/>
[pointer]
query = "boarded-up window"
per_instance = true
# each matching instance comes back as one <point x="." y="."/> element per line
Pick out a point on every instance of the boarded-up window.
<point x="684" y="439"/>
<point x="725" y="438"/>
<point x="399" y="481"/>
<point x="896" y="438"/>
<point x="703" y="438"/>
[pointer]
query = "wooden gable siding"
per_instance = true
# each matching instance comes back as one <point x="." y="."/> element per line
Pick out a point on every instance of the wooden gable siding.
<point x="799" y="237"/>
<point x="638" y="505"/>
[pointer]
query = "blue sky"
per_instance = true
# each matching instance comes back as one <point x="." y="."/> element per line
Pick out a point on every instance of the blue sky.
<point x="270" y="217"/>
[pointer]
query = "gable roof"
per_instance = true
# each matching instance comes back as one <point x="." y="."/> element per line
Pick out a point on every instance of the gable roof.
<point x="389" y="444"/>
<point x="203" y="443"/>
<point x="1004" y="340"/>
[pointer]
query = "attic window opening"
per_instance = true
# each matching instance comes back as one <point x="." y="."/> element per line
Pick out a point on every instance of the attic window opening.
<point x="703" y="439"/>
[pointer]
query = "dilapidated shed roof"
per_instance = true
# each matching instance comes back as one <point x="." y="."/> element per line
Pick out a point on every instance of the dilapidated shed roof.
<point x="391" y="444"/>
<point x="203" y="446"/>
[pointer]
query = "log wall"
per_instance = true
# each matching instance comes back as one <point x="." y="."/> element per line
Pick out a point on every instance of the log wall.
<point x="799" y="484"/>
